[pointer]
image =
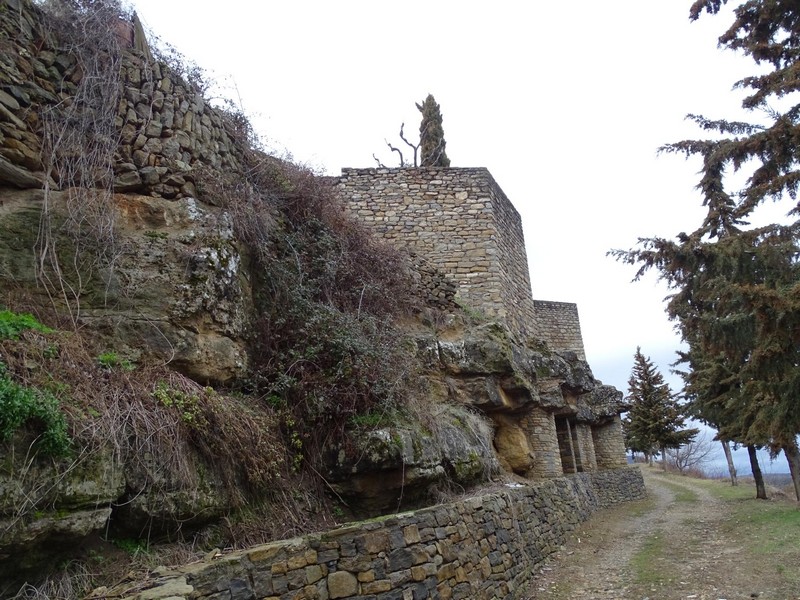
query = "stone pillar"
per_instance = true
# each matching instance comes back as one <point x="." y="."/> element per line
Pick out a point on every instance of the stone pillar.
<point x="609" y="445"/>
<point x="540" y="427"/>
<point x="566" y="449"/>
<point x="586" y="446"/>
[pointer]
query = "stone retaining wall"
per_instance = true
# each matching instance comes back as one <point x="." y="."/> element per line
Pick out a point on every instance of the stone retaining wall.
<point x="483" y="547"/>
<point x="166" y="130"/>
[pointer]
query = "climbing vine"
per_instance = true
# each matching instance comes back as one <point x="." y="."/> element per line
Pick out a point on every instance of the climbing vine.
<point x="76" y="239"/>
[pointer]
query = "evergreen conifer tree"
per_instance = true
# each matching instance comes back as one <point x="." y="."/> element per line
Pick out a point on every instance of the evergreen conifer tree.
<point x="737" y="288"/>
<point x="431" y="135"/>
<point x="654" y="422"/>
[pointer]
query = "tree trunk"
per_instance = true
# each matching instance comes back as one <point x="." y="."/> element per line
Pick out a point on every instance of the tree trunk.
<point x="726" y="448"/>
<point x="761" y="489"/>
<point x="664" y="457"/>
<point x="793" y="458"/>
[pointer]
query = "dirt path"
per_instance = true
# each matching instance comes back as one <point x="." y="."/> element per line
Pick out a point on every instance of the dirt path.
<point x="668" y="547"/>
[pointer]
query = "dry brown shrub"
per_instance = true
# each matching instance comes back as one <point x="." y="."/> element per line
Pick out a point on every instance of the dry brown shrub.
<point x="327" y="293"/>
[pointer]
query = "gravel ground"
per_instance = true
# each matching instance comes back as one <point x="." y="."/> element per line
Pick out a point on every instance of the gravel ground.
<point x="692" y="556"/>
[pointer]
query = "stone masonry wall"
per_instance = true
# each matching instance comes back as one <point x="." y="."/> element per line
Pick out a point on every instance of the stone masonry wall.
<point x="482" y="548"/>
<point x="459" y="219"/>
<point x="558" y="324"/>
<point x="166" y="129"/>
<point x="609" y="444"/>
<point x="540" y="428"/>
<point x="586" y="447"/>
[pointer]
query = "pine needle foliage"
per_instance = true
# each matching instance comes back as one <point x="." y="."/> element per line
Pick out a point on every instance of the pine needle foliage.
<point x="655" y="421"/>
<point x="736" y="288"/>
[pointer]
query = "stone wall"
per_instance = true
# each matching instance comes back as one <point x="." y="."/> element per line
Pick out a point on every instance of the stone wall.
<point x="459" y="219"/>
<point x="431" y="284"/>
<point x="609" y="444"/>
<point x="483" y="547"/>
<point x="540" y="428"/>
<point x="166" y="130"/>
<point x="557" y="323"/>
<point x="586" y="446"/>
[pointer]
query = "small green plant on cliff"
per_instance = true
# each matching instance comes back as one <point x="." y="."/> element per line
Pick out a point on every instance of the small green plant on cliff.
<point x="12" y="324"/>
<point x="37" y="410"/>
<point x="112" y="360"/>
<point x="381" y="416"/>
<point x="473" y="314"/>
<point x="187" y="404"/>
<point x="132" y="546"/>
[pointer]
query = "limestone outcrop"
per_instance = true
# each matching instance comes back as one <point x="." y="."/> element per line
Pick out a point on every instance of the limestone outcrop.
<point x="500" y="402"/>
<point x="177" y="292"/>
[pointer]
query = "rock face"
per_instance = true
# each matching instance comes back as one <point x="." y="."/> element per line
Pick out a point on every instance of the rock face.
<point x="504" y="405"/>
<point x="176" y="290"/>
<point x="72" y="500"/>
<point x="402" y="466"/>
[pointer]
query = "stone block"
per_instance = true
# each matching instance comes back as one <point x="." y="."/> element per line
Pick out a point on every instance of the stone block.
<point x="376" y="587"/>
<point x="342" y="584"/>
<point x="399" y="559"/>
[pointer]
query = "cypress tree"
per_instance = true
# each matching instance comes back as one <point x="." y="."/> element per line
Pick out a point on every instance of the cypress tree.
<point x="431" y="135"/>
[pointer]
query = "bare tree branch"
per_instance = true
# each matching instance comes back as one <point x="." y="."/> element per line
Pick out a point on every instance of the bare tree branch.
<point x="415" y="148"/>
<point x="393" y="149"/>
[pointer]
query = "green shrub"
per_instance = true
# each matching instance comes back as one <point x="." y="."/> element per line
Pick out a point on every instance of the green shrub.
<point x="112" y="360"/>
<point x="132" y="546"/>
<point x="187" y="405"/>
<point x="37" y="410"/>
<point x="12" y="324"/>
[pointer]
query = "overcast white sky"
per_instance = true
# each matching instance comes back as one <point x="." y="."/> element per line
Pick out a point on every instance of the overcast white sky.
<point x="565" y="103"/>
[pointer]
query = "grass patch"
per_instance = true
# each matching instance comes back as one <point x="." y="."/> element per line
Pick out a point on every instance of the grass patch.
<point x="12" y="324"/>
<point x="723" y="490"/>
<point x="647" y="564"/>
<point x="769" y="529"/>
<point x="682" y="494"/>
<point x="640" y="508"/>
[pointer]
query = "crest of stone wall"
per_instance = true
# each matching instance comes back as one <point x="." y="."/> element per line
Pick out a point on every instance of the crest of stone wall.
<point x="461" y="221"/>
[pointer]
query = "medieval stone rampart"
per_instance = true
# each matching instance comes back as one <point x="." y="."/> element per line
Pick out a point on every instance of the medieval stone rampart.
<point x="458" y="221"/>
<point x="461" y="221"/>
<point x="485" y="547"/>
